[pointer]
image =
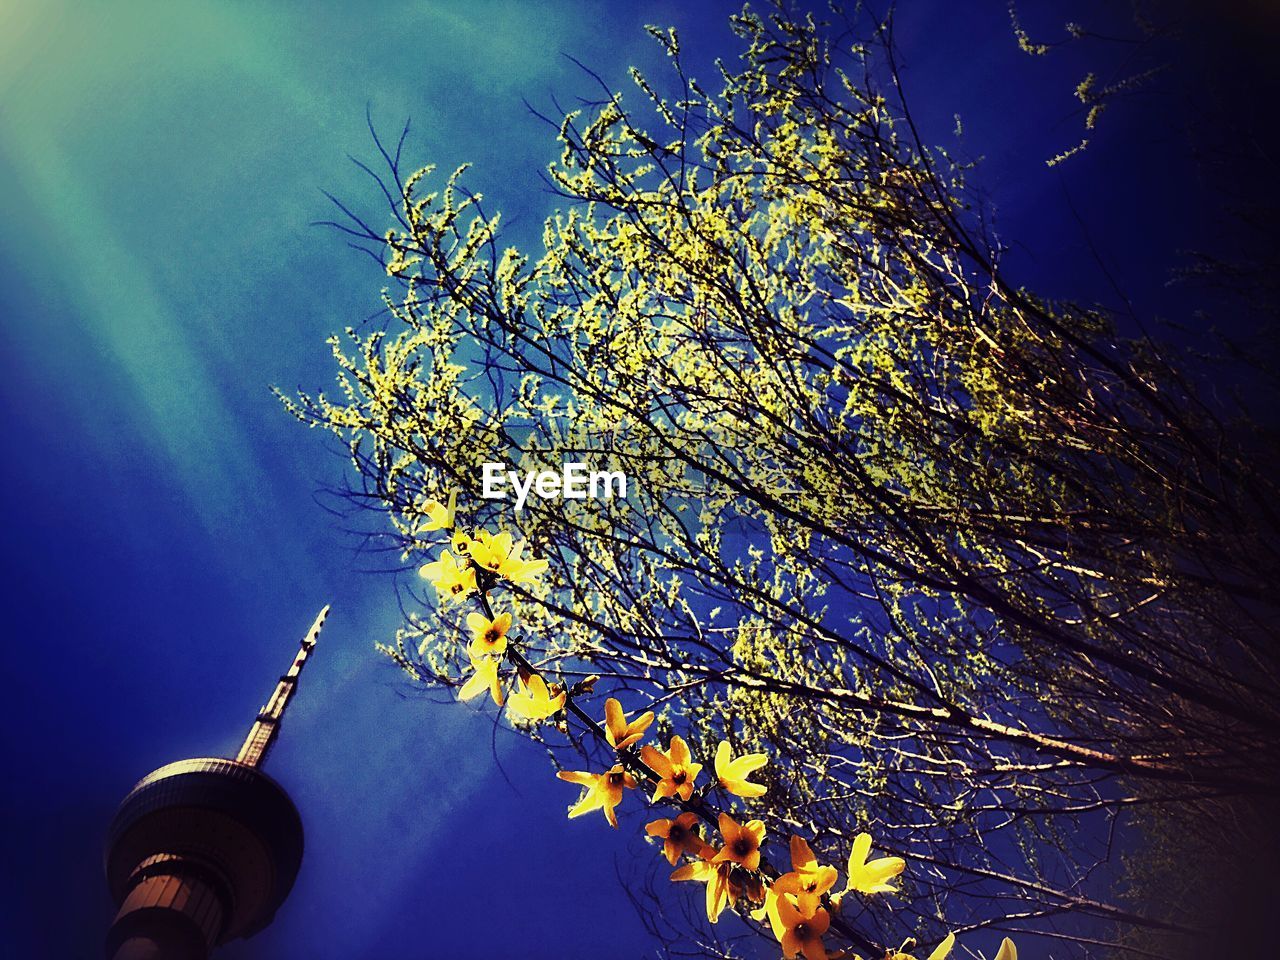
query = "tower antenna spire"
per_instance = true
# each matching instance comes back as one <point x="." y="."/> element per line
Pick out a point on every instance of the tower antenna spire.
<point x="265" y="729"/>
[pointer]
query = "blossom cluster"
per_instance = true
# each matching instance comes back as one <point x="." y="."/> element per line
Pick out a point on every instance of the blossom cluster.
<point x="799" y="905"/>
<point x="454" y="576"/>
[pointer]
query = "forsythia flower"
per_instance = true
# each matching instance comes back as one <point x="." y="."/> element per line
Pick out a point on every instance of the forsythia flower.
<point x="716" y="877"/>
<point x="741" y="842"/>
<point x="489" y="637"/>
<point x="490" y="550"/>
<point x="675" y="769"/>
<point x="451" y="581"/>
<point x="486" y="675"/>
<point x="871" y="877"/>
<point x="769" y="909"/>
<point x="807" y="881"/>
<point x="943" y="949"/>
<point x="501" y="555"/>
<point x="534" y="701"/>
<point x="519" y="570"/>
<point x="604" y="790"/>
<point x="802" y="934"/>
<point x="733" y="774"/>
<point x="678" y="836"/>
<point x="441" y="516"/>
<point x="617" y="731"/>
<point x="1007" y="950"/>
<point x="940" y="952"/>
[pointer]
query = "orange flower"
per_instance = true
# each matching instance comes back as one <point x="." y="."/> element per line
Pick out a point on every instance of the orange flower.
<point x="801" y="934"/>
<point x="488" y="637"/>
<point x="769" y="909"/>
<point x="733" y="774"/>
<point x="679" y="836"/>
<point x="604" y="790"/>
<point x="675" y="769"/>
<point x="716" y="877"/>
<point x="619" y="733"/>
<point x="807" y="881"/>
<point x="741" y="842"/>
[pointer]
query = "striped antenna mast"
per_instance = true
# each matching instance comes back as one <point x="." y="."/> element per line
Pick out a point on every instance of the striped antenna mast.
<point x="263" y="733"/>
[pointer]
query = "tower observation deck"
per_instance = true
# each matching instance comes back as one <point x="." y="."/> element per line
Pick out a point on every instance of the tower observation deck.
<point x="206" y="850"/>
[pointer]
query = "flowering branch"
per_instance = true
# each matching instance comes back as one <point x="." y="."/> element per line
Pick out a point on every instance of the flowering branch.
<point x="798" y="905"/>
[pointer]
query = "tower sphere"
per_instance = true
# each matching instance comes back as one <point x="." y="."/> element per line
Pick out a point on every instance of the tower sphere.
<point x="222" y="826"/>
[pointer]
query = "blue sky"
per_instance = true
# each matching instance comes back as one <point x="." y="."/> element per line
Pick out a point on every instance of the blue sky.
<point x="160" y="168"/>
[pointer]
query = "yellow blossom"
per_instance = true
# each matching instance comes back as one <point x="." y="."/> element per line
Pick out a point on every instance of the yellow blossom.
<point x="518" y="569"/>
<point x="489" y="550"/>
<point x="604" y="790"/>
<point x="441" y="516"/>
<point x="943" y="950"/>
<point x="500" y="554"/>
<point x="617" y="731"/>
<point x="802" y="934"/>
<point x="733" y="774"/>
<point x="488" y="637"/>
<point x="808" y="880"/>
<point x="676" y="770"/>
<point x="741" y="842"/>
<point x="940" y="952"/>
<point x="871" y="877"/>
<point x="486" y="676"/>
<point x="678" y="836"/>
<point x="451" y="581"/>
<point x="717" y="879"/>
<point x="1007" y="950"/>
<point x="535" y="701"/>
<point x="769" y="909"/>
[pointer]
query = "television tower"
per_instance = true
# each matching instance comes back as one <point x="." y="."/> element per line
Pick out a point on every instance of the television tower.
<point x="204" y="851"/>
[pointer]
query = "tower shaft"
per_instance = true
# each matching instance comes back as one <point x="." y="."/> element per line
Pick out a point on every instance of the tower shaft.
<point x="265" y="729"/>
